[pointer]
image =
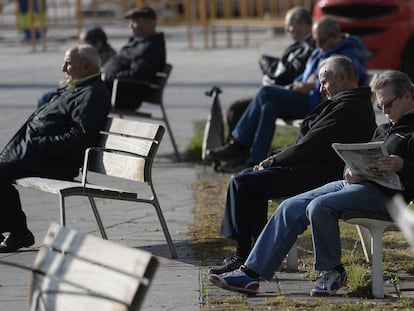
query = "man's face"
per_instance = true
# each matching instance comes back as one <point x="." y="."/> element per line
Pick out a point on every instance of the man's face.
<point x="331" y="83"/>
<point x="296" y="29"/>
<point x="323" y="40"/>
<point x="392" y="105"/>
<point x="141" y="26"/>
<point x="73" y="66"/>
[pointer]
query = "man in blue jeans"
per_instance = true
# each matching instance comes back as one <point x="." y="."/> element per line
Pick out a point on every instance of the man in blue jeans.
<point x="346" y="116"/>
<point x="253" y="133"/>
<point x="322" y="207"/>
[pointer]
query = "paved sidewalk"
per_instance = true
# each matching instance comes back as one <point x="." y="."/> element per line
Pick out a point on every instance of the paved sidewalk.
<point x="177" y="284"/>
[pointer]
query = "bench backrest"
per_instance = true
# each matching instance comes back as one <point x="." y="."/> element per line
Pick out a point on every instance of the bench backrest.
<point x="139" y="142"/>
<point x="73" y="271"/>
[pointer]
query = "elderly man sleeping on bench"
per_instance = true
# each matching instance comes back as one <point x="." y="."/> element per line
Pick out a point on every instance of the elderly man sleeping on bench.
<point x="52" y="142"/>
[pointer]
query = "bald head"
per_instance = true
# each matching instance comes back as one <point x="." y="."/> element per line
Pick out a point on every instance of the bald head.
<point x="81" y="61"/>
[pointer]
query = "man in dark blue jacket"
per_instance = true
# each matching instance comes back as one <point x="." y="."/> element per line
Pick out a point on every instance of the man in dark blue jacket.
<point x="140" y="58"/>
<point x="253" y="133"/>
<point x="52" y="142"/>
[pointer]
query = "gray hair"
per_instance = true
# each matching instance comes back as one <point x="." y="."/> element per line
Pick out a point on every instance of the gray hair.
<point x="300" y="14"/>
<point x="341" y="63"/>
<point x="88" y="54"/>
<point x="397" y="80"/>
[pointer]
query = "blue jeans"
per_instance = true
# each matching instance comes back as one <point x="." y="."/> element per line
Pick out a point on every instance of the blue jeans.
<point x="321" y="208"/>
<point x="257" y="125"/>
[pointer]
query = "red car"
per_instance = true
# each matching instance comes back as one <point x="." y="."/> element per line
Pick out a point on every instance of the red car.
<point x="385" y="26"/>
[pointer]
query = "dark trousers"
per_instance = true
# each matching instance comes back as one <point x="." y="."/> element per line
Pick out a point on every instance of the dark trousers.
<point x="248" y="193"/>
<point x="13" y="218"/>
<point x="234" y="113"/>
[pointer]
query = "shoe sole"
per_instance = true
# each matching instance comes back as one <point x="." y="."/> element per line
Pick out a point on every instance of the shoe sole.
<point x="234" y="289"/>
<point x="326" y="294"/>
<point x="320" y="294"/>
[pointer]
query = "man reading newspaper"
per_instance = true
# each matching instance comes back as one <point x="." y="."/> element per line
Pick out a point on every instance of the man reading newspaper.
<point x="322" y="207"/>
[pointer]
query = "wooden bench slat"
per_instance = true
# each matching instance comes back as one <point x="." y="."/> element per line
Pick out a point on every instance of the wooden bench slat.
<point x="73" y="271"/>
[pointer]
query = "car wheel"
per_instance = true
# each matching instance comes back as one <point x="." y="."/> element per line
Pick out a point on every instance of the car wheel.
<point x="407" y="63"/>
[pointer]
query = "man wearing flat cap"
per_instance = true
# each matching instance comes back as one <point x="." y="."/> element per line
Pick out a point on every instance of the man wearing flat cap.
<point x="141" y="57"/>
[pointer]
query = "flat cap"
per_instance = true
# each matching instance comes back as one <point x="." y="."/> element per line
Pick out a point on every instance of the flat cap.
<point x="141" y="12"/>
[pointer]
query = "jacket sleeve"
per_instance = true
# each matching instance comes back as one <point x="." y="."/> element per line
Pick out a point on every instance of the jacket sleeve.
<point x="338" y="125"/>
<point x="86" y="120"/>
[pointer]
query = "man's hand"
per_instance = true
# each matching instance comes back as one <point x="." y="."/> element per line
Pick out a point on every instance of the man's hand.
<point x="258" y="167"/>
<point x="351" y="177"/>
<point x="391" y="163"/>
<point x="302" y="87"/>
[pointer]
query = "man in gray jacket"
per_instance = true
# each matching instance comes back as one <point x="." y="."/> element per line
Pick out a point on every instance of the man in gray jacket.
<point x="52" y="142"/>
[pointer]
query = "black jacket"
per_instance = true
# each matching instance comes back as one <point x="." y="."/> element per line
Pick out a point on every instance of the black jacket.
<point x="139" y="59"/>
<point x="348" y="117"/>
<point x="399" y="140"/>
<point x="293" y="61"/>
<point x="52" y="142"/>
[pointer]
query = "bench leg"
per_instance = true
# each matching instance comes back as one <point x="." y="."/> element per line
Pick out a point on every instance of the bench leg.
<point x="164" y="227"/>
<point x="169" y="130"/>
<point x="292" y="258"/>
<point x="366" y="242"/>
<point x="98" y="218"/>
<point x="62" y="210"/>
<point x="377" y="272"/>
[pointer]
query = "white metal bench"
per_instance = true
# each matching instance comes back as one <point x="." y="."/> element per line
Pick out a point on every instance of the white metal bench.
<point x="77" y="272"/>
<point x="126" y="151"/>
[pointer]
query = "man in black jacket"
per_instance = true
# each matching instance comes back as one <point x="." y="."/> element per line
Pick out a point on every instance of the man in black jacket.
<point x="52" y="142"/>
<point x="140" y="58"/>
<point x="283" y="70"/>
<point x="322" y="207"/>
<point x="346" y="116"/>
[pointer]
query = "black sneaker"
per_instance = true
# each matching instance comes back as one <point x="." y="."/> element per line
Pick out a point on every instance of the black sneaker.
<point x="229" y="264"/>
<point x="229" y="152"/>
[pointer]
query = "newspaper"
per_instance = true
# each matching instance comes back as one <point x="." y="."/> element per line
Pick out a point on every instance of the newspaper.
<point x="362" y="159"/>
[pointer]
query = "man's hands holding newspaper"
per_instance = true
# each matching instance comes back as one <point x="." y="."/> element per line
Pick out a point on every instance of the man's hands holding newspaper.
<point x="391" y="163"/>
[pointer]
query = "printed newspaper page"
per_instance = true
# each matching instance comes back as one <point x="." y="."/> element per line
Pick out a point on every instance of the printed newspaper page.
<point x="362" y="159"/>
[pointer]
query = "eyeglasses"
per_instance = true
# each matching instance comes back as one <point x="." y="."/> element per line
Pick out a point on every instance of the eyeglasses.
<point x="387" y="105"/>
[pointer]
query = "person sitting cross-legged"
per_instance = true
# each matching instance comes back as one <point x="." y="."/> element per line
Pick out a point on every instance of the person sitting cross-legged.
<point x="346" y="116"/>
<point x="322" y="207"/>
<point x="252" y="136"/>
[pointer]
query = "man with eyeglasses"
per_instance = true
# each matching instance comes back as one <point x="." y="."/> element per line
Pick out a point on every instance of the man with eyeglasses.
<point x="252" y="136"/>
<point x="322" y="207"/>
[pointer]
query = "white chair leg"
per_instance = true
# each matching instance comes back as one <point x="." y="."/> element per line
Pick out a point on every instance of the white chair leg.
<point x="377" y="271"/>
<point x="292" y="258"/>
<point x="366" y="241"/>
